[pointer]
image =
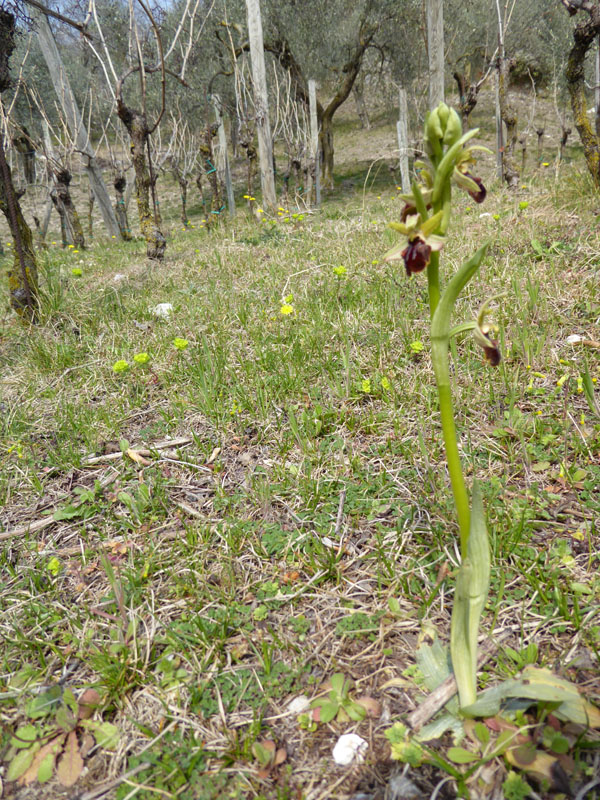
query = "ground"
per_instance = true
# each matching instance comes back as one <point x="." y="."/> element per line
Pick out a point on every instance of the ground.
<point x="216" y="531"/>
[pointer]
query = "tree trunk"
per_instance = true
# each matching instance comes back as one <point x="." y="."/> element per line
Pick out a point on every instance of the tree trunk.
<point x="566" y="132"/>
<point x="314" y="172"/>
<point x="90" y="219"/>
<point x="183" y="194"/>
<point x="251" y="159"/>
<point x="199" y="175"/>
<point x="23" y="145"/>
<point x="217" y="205"/>
<point x="402" y="131"/>
<point x="62" y="179"/>
<point x="137" y="128"/>
<point x="120" y="183"/>
<point x="22" y="278"/>
<point x="523" y="143"/>
<point x="349" y="73"/>
<point x="64" y="234"/>
<point x="584" y="35"/>
<point x="327" y="150"/>
<point x="361" y="106"/>
<point x="509" y="117"/>
<point x="224" y="157"/>
<point x="540" y="146"/>
<point x="467" y="97"/>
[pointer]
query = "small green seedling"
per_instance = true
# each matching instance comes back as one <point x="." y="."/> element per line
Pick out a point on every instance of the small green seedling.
<point x="268" y="756"/>
<point x="59" y="734"/>
<point x="337" y="704"/>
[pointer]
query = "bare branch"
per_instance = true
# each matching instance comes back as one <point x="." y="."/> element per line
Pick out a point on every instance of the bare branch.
<point x="49" y="13"/>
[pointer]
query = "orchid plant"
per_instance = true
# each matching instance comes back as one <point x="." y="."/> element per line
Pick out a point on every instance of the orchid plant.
<point x="423" y="229"/>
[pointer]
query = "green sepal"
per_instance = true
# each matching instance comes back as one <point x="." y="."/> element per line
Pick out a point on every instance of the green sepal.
<point x="430" y="225"/>
<point x="464" y="327"/>
<point x="395" y="253"/>
<point x="419" y="200"/>
<point x="448" y="163"/>
<point x="465" y="182"/>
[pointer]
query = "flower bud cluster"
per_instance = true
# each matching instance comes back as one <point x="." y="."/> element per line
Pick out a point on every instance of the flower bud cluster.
<point x="443" y="128"/>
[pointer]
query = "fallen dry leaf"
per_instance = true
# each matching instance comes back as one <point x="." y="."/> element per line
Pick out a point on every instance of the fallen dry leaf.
<point x="88" y="702"/>
<point x="136" y="455"/>
<point x="214" y="455"/>
<point x="370" y="705"/>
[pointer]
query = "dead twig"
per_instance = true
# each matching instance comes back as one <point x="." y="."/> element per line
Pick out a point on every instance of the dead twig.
<point x="167" y="443"/>
<point x="340" y="513"/>
<point x="40" y="524"/>
<point x="106" y="787"/>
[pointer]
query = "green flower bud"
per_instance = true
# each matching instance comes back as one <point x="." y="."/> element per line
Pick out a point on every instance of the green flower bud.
<point x="453" y="130"/>
<point x="433" y="126"/>
<point x="443" y="113"/>
<point x="433" y="135"/>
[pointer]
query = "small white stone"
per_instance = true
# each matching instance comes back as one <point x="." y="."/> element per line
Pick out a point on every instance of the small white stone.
<point x="349" y="747"/>
<point x="574" y="338"/>
<point x="485" y="214"/>
<point x="299" y="704"/>
<point x="119" y="277"/>
<point x="162" y="310"/>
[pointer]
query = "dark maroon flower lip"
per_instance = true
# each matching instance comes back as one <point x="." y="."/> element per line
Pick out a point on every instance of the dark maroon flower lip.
<point x="492" y="352"/>
<point x="416" y="256"/>
<point x="409" y="210"/>
<point x="479" y="196"/>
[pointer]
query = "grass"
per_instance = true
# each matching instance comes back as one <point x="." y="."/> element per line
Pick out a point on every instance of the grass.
<point x="304" y="525"/>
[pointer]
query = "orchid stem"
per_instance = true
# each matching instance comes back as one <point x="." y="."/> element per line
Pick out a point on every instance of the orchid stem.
<point x="433" y="282"/>
<point x="439" y="352"/>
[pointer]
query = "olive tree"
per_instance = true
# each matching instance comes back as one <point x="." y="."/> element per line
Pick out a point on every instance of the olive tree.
<point x="22" y="277"/>
<point x="585" y="33"/>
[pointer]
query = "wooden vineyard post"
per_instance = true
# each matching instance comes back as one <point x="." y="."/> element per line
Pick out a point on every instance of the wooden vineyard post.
<point x="597" y="86"/>
<point x="263" y="127"/>
<point x="216" y="100"/>
<point x="402" y="130"/>
<point x="499" y="130"/>
<point x="314" y="140"/>
<point x="435" y="49"/>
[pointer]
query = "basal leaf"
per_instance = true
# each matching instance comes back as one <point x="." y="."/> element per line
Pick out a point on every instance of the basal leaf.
<point x="106" y="735"/>
<point x="68" y="512"/>
<point x="461" y="756"/>
<point x="71" y="764"/>
<point x="24" y="737"/>
<point x="44" y="703"/>
<point x="21" y="763"/>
